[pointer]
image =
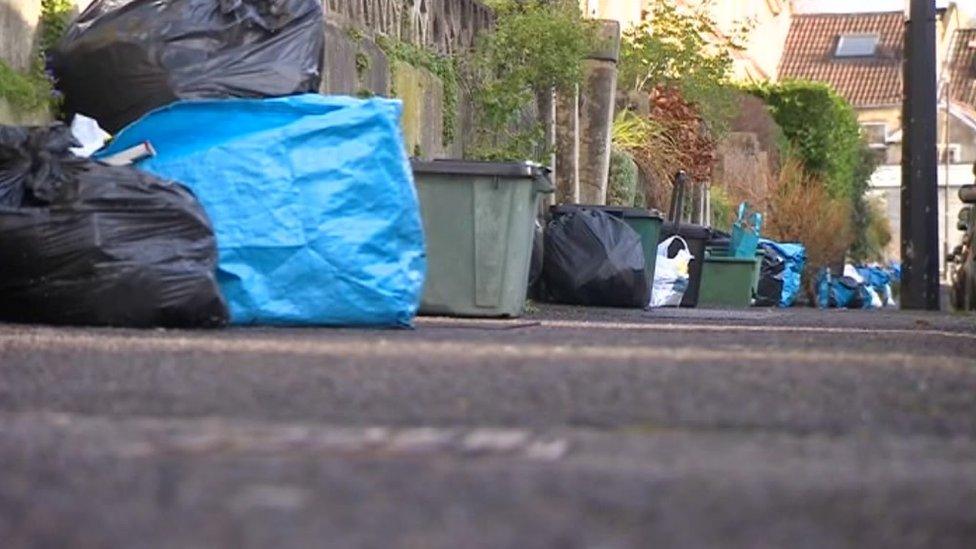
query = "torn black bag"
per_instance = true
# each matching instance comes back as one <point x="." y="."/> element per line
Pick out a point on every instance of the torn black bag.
<point x="86" y="243"/>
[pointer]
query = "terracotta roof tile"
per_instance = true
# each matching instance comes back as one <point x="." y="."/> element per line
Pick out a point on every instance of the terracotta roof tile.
<point x="962" y="67"/>
<point x="864" y="81"/>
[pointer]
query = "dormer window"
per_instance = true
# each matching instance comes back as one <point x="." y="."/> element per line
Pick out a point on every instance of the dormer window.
<point x="856" y="45"/>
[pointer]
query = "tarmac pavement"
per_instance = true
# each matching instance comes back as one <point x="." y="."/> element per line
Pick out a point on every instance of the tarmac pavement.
<point x="567" y="428"/>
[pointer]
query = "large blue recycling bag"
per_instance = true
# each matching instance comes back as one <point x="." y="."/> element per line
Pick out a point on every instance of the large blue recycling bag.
<point x="312" y="200"/>
<point x="842" y="292"/>
<point x="874" y="276"/>
<point x="878" y="279"/>
<point x="794" y="256"/>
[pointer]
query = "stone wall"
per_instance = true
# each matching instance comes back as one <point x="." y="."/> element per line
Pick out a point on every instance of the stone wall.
<point x="742" y="166"/>
<point x="748" y="159"/>
<point x="356" y="65"/>
<point x="446" y="26"/>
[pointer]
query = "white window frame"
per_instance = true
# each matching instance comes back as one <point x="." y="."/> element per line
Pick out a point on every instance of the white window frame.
<point x="883" y="144"/>
<point x="841" y="39"/>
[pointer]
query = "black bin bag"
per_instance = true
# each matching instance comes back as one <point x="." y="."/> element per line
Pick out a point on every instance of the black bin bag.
<point x="89" y="244"/>
<point x="592" y="258"/>
<point x="123" y="58"/>
<point x="772" y="273"/>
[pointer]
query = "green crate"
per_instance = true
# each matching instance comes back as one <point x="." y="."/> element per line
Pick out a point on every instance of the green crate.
<point x="724" y="252"/>
<point x="479" y="222"/>
<point x="727" y="282"/>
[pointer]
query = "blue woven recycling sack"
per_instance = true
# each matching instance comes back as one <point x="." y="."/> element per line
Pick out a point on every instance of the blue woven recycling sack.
<point x="794" y="256"/>
<point x="312" y="201"/>
<point x="841" y="292"/>
<point x="874" y="277"/>
<point x="879" y="280"/>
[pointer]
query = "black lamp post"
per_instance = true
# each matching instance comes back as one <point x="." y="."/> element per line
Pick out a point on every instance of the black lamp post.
<point x="919" y="186"/>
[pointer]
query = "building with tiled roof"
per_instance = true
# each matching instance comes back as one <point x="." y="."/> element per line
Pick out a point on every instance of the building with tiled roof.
<point x="961" y="65"/>
<point x="860" y="55"/>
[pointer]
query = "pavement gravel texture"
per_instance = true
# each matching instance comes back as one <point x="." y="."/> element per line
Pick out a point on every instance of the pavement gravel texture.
<point x="566" y="428"/>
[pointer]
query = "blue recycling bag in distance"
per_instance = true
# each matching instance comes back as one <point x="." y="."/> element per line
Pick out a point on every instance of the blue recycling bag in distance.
<point x="312" y="200"/>
<point x="795" y="258"/>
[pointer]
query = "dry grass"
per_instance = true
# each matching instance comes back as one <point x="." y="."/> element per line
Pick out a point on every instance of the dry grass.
<point x="800" y="210"/>
<point x="657" y="163"/>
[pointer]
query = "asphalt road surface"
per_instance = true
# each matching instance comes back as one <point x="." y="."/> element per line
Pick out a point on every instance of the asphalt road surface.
<point x="567" y="428"/>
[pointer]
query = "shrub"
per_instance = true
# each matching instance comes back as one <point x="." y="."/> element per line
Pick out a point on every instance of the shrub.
<point x="536" y="45"/>
<point x="822" y="130"/>
<point x="32" y="90"/>
<point x="24" y="91"/>
<point x="656" y="153"/>
<point x="869" y="219"/>
<point x="631" y="131"/>
<point x="681" y="47"/>
<point x="55" y="17"/>
<point x="680" y="140"/>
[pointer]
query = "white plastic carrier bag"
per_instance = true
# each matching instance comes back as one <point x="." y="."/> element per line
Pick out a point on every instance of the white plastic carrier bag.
<point x="670" y="274"/>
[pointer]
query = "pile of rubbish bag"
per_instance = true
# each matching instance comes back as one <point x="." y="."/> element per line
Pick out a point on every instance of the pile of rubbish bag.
<point x="315" y="218"/>
<point x="858" y="287"/>
<point x="593" y="258"/>
<point x="232" y="193"/>
<point x="781" y="269"/>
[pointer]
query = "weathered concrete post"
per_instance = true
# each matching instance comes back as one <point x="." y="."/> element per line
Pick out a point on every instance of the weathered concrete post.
<point x="597" y="99"/>
<point x="566" y="170"/>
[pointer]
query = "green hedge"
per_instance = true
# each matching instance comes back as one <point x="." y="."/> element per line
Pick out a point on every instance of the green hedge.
<point x="623" y="179"/>
<point x="24" y="91"/>
<point x="822" y="130"/>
